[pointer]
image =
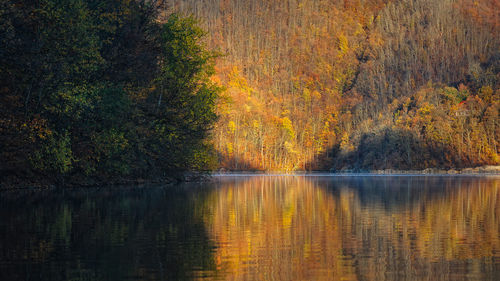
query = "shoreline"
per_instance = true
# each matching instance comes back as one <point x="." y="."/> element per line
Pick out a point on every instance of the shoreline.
<point x="207" y="176"/>
<point x="482" y="170"/>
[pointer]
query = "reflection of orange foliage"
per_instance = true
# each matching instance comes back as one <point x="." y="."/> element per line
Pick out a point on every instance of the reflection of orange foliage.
<point x="282" y="230"/>
<point x="293" y="228"/>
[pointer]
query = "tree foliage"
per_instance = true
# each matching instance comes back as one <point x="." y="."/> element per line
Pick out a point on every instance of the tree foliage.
<point x="331" y="72"/>
<point x="102" y="90"/>
<point x="129" y="88"/>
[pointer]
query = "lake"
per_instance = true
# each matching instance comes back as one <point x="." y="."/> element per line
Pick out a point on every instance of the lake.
<point x="257" y="227"/>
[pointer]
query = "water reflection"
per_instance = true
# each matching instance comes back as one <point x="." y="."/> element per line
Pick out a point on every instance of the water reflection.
<point x="104" y="234"/>
<point x="357" y="228"/>
<point x="257" y="228"/>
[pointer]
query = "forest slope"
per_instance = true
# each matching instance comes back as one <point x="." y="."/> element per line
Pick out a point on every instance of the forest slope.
<point x="366" y="84"/>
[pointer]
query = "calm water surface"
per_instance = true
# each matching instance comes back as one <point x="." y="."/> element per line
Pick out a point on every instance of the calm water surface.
<point x="257" y="228"/>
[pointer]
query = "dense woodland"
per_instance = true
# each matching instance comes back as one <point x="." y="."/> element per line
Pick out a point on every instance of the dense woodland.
<point x="96" y="91"/>
<point x="357" y="84"/>
<point x="100" y="90"/>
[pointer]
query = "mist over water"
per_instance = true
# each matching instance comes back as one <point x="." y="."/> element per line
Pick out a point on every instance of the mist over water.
<point x="257" y="228"/>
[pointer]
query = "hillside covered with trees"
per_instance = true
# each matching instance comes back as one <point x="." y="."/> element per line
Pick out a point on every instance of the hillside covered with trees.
<point x="98" y="91"/>
<point x="357" y="84"/>
<point x="101" y="91"/>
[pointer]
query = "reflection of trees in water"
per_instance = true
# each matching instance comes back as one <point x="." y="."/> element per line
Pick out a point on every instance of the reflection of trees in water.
<point x="367" y="228"/>
<point x="275" y="228"/>
<point x="300" y="228"/>
<point x="107" y="234"/>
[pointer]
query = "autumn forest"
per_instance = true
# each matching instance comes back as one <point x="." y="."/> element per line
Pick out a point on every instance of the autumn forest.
<point x="356" y="84"/>
<point x="101" y="90"/>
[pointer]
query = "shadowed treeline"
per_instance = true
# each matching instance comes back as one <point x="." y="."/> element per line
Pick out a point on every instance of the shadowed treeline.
<point x="436" y="127"/>
<point x="392" y="148"/>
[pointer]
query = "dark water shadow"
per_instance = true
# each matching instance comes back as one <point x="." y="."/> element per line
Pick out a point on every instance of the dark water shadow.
<point x="153" y="233"/>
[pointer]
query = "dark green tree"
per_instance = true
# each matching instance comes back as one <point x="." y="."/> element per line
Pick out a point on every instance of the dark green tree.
<point x="184" y="96"/>
<point x="101" y="91"/>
